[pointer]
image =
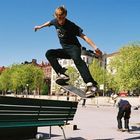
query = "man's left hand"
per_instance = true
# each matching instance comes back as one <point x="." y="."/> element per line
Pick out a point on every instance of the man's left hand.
<point x="98" y="53"/>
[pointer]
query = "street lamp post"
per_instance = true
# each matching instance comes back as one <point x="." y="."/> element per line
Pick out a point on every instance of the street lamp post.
<point x="104" y="80"/>
<point x="27" y="93"/>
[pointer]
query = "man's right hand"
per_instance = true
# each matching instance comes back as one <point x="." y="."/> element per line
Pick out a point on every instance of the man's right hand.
<point x="36" y="28"/>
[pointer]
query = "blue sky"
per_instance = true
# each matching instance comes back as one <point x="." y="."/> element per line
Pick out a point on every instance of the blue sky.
<point x="109" y="23"/>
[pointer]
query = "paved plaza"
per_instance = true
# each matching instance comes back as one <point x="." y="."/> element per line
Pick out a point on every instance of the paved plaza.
<point x="96" y="123"/>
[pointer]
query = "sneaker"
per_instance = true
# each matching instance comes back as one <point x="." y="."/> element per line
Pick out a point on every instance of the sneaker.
<point x="91" y="90"/>
<point x="89" y="84"/>
<point x="126" y="130"/>
<point x="90" y="95"/>
<point x="63" y="77"/>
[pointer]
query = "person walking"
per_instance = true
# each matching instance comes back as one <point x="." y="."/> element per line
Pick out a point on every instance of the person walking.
<point x="114" y="97"/>
<point x="124" y="111"/>
<point x="68" y="32"/>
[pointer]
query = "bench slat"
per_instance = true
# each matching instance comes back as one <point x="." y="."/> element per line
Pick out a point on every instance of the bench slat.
<point x="35" y="123"/>
<point x="20" y="112"/>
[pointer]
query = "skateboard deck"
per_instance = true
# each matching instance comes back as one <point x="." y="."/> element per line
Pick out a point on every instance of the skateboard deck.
<point x="73" y="90"/>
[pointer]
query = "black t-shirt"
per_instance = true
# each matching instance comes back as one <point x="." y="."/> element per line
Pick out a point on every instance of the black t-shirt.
<point x="67" y="33"/>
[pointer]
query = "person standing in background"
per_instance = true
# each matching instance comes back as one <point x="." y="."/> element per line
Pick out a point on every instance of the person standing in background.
<point x="124" y="111"/>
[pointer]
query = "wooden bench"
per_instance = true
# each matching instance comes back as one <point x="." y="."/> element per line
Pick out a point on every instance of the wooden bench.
<point x="20" y="117"/>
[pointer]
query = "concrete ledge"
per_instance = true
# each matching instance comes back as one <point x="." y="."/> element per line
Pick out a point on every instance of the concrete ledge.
<point x="98" y="101"/>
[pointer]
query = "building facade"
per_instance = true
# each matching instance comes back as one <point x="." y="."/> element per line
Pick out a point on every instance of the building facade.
<point x="109" y="57"/>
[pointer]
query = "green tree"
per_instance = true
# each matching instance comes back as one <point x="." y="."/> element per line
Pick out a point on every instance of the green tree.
<point x="127" y="66"/>
<point x="98" y="72"/>
<point x="44" y="89"/>
<point x="5" y="80"/>
<point x="17" y="77"/>
<point x="73" y="74"/>
<point x="111" y="83"/>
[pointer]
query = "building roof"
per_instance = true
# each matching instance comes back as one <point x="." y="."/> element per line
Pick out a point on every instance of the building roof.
<point x="112" y="54"/>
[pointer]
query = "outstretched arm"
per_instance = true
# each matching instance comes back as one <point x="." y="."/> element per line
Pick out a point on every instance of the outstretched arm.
<point x="88" y="40"/>
<point x="41" y="26"/>
<point x="91" y="43"/>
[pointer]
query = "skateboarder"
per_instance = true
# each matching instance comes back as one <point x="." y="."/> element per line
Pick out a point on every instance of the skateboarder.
<point x="124" y="111"/>
<point x="67" y="32"/>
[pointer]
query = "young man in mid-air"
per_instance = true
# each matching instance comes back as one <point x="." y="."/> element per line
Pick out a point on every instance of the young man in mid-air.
<point x="67" y="32"/>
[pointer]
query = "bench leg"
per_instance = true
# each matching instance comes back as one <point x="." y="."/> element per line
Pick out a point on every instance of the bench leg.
<point x="50" y="132"/>
<point x="63" y="132"/>
<point x="61" y="129"/>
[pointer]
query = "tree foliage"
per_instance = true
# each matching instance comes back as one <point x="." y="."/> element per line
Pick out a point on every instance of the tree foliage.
<point x="17" y="77"/>
<point x="5" y="80"/>
<point x="73" y="74"/>
<point x="127" y="66"/>
<point x="97" y="71"/>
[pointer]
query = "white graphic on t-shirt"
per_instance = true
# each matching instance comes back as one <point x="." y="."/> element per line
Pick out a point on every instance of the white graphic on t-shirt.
<point x="60" y="33"/>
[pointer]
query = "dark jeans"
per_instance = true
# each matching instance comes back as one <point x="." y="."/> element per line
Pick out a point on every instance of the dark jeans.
<point x="124" y="112"/>
<point x="69" y="52"/>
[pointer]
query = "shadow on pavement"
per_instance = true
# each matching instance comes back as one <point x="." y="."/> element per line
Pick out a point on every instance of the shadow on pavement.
<point x="134" y="138"/>
<point x="135" y="130"/>
<point x="46" y="135"/>
<point x="77" y="138"/>
<point x="105" y="139"/>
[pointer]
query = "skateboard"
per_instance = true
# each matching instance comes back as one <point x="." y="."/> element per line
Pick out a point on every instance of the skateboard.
<point x="71" y="89"/>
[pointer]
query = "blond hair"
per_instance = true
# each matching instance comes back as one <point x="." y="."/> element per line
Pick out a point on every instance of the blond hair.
<point x="61" y="8"/>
